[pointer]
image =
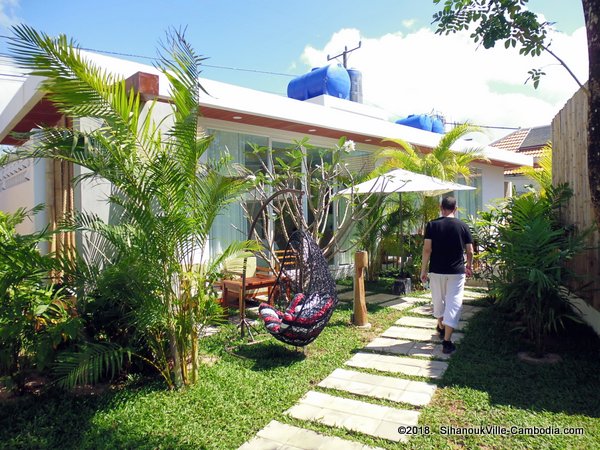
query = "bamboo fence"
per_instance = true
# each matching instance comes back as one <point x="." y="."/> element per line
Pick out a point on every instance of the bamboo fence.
<point x="569" y="165"/>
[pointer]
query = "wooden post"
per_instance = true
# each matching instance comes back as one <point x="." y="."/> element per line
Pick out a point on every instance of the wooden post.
<point x="359" y="318"/>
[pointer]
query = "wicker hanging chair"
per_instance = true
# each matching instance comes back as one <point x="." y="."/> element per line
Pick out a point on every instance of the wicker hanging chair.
<point x="304" y="295"/>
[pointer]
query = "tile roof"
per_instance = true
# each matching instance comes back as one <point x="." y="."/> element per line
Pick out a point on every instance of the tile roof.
<point x="527" y="141"/>
<point x="525" y="138"/>
<point x="512" y="141"/>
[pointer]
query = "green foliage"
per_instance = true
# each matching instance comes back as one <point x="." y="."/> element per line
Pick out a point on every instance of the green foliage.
<point x="507" y="21"/>
<point x="167" y="191"/>
<point x="542" y="175"/>
<point x="319" y="173"/>
<point x="527" y="247"/>
<point x="88" y="364"/>
<point x="497" y="20"/>
<point x="35" y="316"/>
<point x="441" y="162"/>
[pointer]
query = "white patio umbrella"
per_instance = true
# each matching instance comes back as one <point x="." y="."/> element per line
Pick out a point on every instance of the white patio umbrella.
<point x="400" y="180"/>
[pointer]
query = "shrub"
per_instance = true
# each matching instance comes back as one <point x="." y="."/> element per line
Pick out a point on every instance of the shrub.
<point x="527" y="246"/>
<point x="35" y="316"/>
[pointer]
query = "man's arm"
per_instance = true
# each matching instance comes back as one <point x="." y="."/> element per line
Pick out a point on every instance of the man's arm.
<point x="469" y="251"/>
<point x="425" y="259"/>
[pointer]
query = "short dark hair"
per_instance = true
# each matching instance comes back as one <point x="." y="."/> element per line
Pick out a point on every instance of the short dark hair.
<point x="449" y="203"/>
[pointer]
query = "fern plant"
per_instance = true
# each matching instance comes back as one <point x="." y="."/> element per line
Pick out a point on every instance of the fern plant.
<point x="529" y="253"/>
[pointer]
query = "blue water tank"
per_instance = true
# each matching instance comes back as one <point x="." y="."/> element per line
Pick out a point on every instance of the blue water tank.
<point x="356" y="94"/>
<point x="437" y="125"/>
<point x="329" y="80"/>
<point x="420" y="121"/>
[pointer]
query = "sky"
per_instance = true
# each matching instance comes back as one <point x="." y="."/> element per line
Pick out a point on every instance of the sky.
<point x="263" y="44"/>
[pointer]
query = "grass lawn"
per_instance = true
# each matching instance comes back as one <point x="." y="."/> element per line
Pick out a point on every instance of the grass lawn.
<point x="243" y="387"/>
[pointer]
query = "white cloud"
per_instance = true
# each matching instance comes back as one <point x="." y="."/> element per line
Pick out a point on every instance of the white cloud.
<point x="417" y="72"/>
<point x="8" y="15"/>
<point x="408" y="23"/>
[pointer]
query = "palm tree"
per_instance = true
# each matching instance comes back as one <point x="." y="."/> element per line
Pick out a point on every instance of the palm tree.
<point x="168" y="191"/>
<point x="441" y="162"/>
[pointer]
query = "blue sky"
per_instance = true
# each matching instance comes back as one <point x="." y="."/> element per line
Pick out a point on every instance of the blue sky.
<point x="406" y="68"/>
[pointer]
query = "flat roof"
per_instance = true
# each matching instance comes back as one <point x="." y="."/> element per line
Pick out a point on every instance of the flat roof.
<point x="327" y="117"/>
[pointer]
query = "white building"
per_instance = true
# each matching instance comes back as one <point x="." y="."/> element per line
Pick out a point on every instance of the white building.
<point x="236" y="116"/>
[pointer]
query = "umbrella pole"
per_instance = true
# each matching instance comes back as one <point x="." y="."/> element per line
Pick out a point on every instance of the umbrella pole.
<point x="401" y="238"/>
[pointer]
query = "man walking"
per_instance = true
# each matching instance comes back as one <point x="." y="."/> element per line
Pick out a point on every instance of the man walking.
<point x="446" y="240"/>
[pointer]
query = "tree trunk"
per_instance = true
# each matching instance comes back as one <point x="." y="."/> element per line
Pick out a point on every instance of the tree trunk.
<point x="591" y="11"/>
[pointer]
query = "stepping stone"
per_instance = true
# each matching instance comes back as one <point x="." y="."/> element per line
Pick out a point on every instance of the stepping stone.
<point x="467" y="312"/>
<point x="380" y="298"/>
<point x="398" y="304"/>
<point x="413" y="299"/>
<point x="421" y="322"/>
<point x="279" y="436"/>
<point x="417" y="334"/>
<point x="367" y="418"/>
<point x="398" y="364"/>
<point x="415" y="393"/>
<point x="468" y="295"/>
<point x="409" y="348"/>
<point x="370" y="297"/>
<point x="346" y="296"/>
<point x="424" y="310"/>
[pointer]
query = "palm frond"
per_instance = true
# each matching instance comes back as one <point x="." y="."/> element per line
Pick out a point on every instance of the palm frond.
<point x="90" y="364"/>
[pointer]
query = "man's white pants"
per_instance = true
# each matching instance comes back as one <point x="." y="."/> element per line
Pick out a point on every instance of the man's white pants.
<point x="447" y="296"/>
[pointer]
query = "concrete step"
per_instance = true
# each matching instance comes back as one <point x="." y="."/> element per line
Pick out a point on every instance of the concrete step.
<point x="367" y="418"/>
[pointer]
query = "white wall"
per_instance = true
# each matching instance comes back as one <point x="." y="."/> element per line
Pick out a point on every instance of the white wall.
<point x="492" y="184"/>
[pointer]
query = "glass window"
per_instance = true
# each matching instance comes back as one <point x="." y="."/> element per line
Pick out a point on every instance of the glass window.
<point x="469" y="202"/>
<point x="232" y="224"/>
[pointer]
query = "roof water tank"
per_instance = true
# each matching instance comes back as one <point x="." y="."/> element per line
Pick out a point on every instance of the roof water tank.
<point x="420" y="121"/>
<point x="437" y="125"/>
<point x="329" y="80"/>
<point x="356" y="94"/>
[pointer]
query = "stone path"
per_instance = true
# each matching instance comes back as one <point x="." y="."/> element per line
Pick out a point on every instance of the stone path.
<point x="279" y="436"/>
<point x="411" y="347"/>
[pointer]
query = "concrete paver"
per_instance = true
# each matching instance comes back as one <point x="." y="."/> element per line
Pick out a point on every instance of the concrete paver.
<point x="398" y="304"/>
<point x="374" y="420"/>
<point x="417" y="334"/>
<point x="378" y="386"/>
<point x="408" y="348"/>
<point x="422" y="322"/>
<point x="280" y="436"/>
<point x="398" y="364"/>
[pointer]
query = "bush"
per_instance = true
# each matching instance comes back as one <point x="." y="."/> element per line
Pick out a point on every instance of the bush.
<point x="527" y="247"/>
<point x="35" y="316"/>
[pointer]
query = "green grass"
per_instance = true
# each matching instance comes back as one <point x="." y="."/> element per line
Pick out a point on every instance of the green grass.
<point x="486" y="384"/>
<point x="249" y="385"/>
